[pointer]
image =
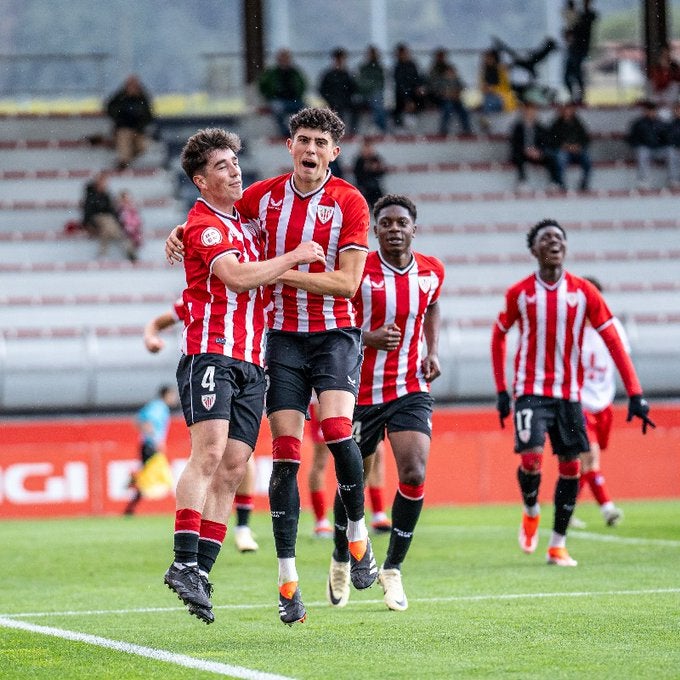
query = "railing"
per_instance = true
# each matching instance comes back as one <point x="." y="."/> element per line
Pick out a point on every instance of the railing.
<point x="53" y="74"/>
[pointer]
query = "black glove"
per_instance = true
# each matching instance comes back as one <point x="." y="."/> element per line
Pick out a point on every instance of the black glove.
<point x="503" y="406"/>
<point x="638" y="406"/>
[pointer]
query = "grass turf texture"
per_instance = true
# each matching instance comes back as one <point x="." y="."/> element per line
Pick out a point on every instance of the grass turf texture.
<point x="479" y="607"/>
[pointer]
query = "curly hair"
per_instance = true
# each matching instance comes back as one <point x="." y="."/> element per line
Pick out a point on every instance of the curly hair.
<point x="318" y="119"/>
<point x="199" y="146"/>
<point x="548" y="222"/>
<point x="395" y="199"/>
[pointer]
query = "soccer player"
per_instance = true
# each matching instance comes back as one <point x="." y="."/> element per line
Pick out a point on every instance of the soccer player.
<point x="243" y="500"/>
<point x="397" y="306"/>
<point x="551" y="308"/>
<point x="599" y="389"/>
<point x="153" y="422"/>
<point x="313" y="343"/>
<point x="220" y="376"/>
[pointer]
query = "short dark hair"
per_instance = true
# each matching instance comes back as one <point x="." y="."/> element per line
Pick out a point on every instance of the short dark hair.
<point x="548" y="222"/>
<point x="317" y="118"/>
<point x="594" y="281"/>
<point x="395" y="199"/>
<point x="200" y="145"/>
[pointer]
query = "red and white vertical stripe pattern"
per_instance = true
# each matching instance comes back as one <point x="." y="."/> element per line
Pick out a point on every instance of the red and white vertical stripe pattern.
<point x="335" y="216"/>
<point x="392" y="296"/>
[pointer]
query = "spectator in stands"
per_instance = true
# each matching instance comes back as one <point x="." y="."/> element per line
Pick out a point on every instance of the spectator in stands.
<point x="494" y="86"/>
<point x="409" y="87"/>
<point x="369" y="169"/>
<point x="339" y="89"/>
<point x="673" y="138"/>
<point x="570" y="139"/>
<point x="101" y="218"/>
<point x="130" y="109"/>
<point x="154" y="479"/>
<point x="529" y="143"/>
<point x="446" y="88"/>
<point x="370" y="80"/>
<point x="523" y="74"/>
<point x="130" y="218"/>
<point x="578" y="37"/>
<point x="283" y="86"/>
<point x="664" y="78"/>
<point x="648" y="135"/>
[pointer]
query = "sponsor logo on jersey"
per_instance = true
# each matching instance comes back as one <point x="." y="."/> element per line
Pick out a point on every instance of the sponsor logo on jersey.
<point x="208" y="401"/>
<point x="572" y="299"/>
<point x="324" y="213"/>
<point x="378" y="285"/>
<point x="531" y="299"/>
<point x="211" y="236"/>
<point x="275" y="205"/>
<point x="425" y="283"/>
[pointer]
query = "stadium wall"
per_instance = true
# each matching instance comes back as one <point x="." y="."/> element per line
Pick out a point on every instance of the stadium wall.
<point x="70" y="467"/>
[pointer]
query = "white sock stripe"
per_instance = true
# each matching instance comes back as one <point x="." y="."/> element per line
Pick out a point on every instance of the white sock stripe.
<point x="186" y="531"/>
<point x="410" y="498"/>
<point x="337" y="441"/>
<point x="286" y="460"/>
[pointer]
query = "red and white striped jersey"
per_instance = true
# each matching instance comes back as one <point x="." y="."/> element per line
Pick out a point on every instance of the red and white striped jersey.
<point x="336" y="216"/>
<point x="400" y="296"/>
<point x="551" y="320"/>
<point x="218" y="320"/>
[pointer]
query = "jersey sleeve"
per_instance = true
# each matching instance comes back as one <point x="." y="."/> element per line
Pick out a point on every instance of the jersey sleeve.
<point x="355" y="222"/>
<point x="178" y="309"/>
<point x="598" y="311"/>
<point x="208" y="241"/>
<point x="439" y="271"/>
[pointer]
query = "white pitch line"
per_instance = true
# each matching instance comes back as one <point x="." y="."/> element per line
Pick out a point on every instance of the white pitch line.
<point x="608" y="538"/>
<point x="324" y="604"/>
<point x="148" y="652"/>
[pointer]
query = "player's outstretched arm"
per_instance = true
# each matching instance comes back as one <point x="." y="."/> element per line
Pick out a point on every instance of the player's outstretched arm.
<point x="342" y="282"/>
<point x="242" y="276"/>
<point x="152" y="339"/>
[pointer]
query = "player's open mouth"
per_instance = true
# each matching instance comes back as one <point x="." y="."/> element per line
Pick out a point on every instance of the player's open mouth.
<point x="309" y="164"/>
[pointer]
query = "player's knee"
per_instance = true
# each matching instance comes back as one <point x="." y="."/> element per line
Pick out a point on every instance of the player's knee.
<point x="412" y="474"/>
<point x="531" y="462"/>
<point x="412" y="492"/>
<point x="286" y="449"/>
<point x="336" y="429"/>
<point x="569" y="468"/>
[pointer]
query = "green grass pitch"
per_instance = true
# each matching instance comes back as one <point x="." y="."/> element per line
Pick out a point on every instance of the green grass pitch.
<point x="84" y="598"/>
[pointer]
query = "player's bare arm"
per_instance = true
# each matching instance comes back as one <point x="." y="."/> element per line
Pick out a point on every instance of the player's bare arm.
<point x="385" y="338"/>
<point x="342" y="282"/>
<point x="243" y="276"/>
<point x="152" y="340"/>
<point x="431" y="327"/>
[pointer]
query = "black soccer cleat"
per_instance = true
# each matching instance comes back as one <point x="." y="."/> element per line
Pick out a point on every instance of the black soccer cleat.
<point x="186" y="583"/>
<point x="363" y="572"/>
<point x="203" y="613"/>
<point x="292" y="610"/>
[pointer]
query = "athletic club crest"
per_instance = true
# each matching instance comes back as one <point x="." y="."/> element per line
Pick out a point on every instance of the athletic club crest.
<point x="208" y="401"/>
<point x="425" y="283"/>
<point x="324" y="213"/>
<point x="572" y="299"/>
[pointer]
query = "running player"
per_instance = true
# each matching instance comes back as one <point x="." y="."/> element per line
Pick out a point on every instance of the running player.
<point x="220" y="376"/>
<point x="599" y="390"/>
<point x="397" y="305"/>
<point x="551" y="308"/>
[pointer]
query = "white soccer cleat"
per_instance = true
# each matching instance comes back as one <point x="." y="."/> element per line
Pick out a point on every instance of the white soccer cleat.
<point x="337" y="586"/>
<point x="612" y="516"/>
<point x="560" y="557"/>
<point x="243" y="538"/>
<point x="576" y="523"/>
<point x="395" y="597"/>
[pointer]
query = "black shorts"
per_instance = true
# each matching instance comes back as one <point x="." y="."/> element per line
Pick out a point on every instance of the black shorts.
<point x="562" y="420"/>
<point x="410" y="413"/>
<point x="215" y="387"/>
<point x="296" y="363"/>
